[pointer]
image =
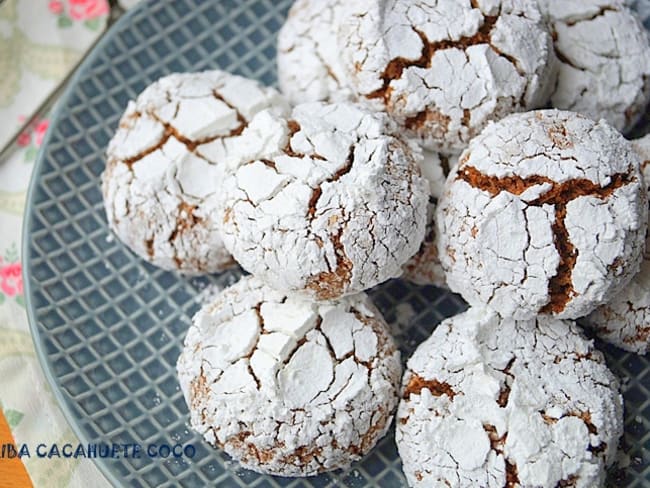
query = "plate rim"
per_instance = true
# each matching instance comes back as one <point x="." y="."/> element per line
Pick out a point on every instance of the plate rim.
<point x="36" y="336"/>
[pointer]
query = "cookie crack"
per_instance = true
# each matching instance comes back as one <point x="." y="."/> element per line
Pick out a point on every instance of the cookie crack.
<point x="585" y="416"/>
<point x="330" y="284"/>
<point x="191" y="145"/>
<point x="185" y="219"/>
<point x="294" y="127"/>
<point x="496" y="443"/>
<point x="396" y="66"/>
<point x="240" y="118"/>
<point x="560" y="287"/>
<point x="601" y="12"/>
<point x="568" y="482"/>
<point x="504" y="392"/>
<point x="512" y="475"/>
<point x="437" y="388"/>
<point x="318" y="191"/>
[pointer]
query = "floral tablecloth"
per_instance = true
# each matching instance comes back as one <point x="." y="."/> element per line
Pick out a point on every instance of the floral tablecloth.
<point x="40" y="43"/>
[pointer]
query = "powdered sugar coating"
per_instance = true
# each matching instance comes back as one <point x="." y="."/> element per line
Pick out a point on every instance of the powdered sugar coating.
<point x="444" y="68"/>
<point x="625" y="319"/>
<point x="165" y="166"/>
<point x="309" y="66"/>
<point x="496" y="402"/>
<point x="545" y="213"/>
<point x="327" y="203"/>
<point x="424" y="267"/>
<point x="604" y="69"/>
<point x="289" y="387"/>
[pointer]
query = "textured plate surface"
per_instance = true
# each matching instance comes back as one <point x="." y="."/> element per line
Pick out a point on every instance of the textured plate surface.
<point x="109" y="328"/>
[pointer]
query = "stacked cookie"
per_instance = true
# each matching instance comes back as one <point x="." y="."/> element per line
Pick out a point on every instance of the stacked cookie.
<point x="405" y="145"/>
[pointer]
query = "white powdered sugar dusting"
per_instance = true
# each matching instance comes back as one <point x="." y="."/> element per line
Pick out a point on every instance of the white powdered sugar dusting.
<point x="497" y="402"/>
<point x="444" y="68"/>
<point x="289" y="387"/>
<point x="625" y="319"/>
<point x="545" y="213"/>
<point x="309" y="61"/>
<point x="165" y="166"/>
<point x="326" y="203"/>
<point x="604" y="59"/>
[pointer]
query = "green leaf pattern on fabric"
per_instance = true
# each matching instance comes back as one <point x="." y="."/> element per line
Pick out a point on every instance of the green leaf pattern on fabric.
<point x="64" y="21"/>
<point x="13" y="417"/>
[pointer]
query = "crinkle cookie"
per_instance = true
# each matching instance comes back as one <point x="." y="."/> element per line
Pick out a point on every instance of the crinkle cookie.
<point x="545" y="213"/>
<point x="424" y="267"/>
<point x="164" y="170"/>
<point x="625" y="319"/>
<point x="604" y="69"/>
<point x="495" y="402"/>
<point x="444" y="68"/>
<point x="326" y="202"/>
<point x="289" y="387"/>
<point x="309" y="66"/>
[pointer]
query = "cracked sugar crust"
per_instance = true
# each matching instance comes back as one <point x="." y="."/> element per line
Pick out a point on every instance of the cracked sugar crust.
<point x="604" y="60"/>
<point x="309" y="66"/>
<point x="424" y="267"/>
<point x="498" y="403"/>
<point x="166" y="164"/>
<point x="545" y="213"/>
<point x="289" y="387"/>
<point x="327" y="203"/>
<point x="625" y="319"/>
<point x="444" y="68"/>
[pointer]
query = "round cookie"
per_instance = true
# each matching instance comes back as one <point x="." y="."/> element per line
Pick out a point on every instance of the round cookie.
<point x="165" y="166"/>
<point x="625" y="319"/>
<point x="327" y="202"/>
<point x="444" y="68"/>
<point x="604" y="60"/>
<point x="424" y="267"/>
<point x="497" y="402"/>
<point x="309" y="66"/>
<point x="289" y="387"/>
<point x="545" y="213"/>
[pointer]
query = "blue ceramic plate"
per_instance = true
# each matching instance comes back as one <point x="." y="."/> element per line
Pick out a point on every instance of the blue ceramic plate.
<point x="108" y="327"/>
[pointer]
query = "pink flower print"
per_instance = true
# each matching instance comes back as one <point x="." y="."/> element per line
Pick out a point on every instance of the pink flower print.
<point x="24" y="139"/>
<point x="39" y="131"/>
<point x="11" y="279"/>
<point x="55" y="6"/>
<point x="88" y="9"/>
